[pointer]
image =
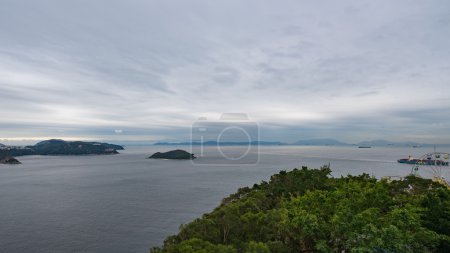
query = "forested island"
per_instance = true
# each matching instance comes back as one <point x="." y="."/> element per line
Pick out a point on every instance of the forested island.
<point x="177" y="154"/>
<point x="306" y="210"/>
<point x="60" y="147"/>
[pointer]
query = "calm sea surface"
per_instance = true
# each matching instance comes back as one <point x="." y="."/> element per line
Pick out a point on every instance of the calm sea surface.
<point x="126" y="203"/>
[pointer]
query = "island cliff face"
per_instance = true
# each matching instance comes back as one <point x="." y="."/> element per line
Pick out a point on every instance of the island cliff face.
<point x="60" y="147"/>
<point x="177" y="154"/>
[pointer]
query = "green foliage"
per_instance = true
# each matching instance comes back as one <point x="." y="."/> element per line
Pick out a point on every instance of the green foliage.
<point x="308" y="211"/>
<point x="257" y="247"/>
<point x="196" y="245"/>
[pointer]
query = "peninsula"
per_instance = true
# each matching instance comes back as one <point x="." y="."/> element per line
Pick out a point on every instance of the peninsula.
<point x="60" y="147"/>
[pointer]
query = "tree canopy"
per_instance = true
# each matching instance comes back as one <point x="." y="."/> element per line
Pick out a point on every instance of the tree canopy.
<point x="307" y="210"/>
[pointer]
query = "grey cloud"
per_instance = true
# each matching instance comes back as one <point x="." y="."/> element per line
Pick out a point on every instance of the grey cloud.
<point x="316" y="68"/>
<point x="367" y="93"/>
<point x="226" y="75"/>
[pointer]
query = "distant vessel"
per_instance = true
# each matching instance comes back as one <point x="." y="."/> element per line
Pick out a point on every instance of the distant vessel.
<point x="364" y="147"/>
<point x="426" y="161"/>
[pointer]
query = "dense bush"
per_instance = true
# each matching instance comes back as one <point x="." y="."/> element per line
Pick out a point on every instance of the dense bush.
<point x="309" y="211"/>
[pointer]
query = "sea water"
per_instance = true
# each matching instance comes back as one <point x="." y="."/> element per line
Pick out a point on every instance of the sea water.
<point x="127" y="203"/>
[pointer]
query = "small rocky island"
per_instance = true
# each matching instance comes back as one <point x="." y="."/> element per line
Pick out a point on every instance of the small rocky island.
<point x="60" y="147"/>
<point x="9" y="160"/>
<point x="177" y="154"/>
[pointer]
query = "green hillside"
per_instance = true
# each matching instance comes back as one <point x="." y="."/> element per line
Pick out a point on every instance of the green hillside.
<point x="307" y="210"/>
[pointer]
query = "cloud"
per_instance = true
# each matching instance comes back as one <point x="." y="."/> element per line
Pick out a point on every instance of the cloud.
<point x="321" y="68"/>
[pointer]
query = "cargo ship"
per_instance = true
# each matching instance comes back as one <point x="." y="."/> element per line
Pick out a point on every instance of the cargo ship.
<point x="427" y="161"/>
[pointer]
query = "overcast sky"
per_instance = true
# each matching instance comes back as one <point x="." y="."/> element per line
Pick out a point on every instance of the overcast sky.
<point x="145" y="70"/>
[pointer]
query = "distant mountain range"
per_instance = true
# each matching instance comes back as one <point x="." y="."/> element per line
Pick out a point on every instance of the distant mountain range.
<point x="226" y="143"/>
<point x="388" y="143"/>
<point x="320" y="142"/>
<point x="309" y="142"/>
<point x="372" y="143"/>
